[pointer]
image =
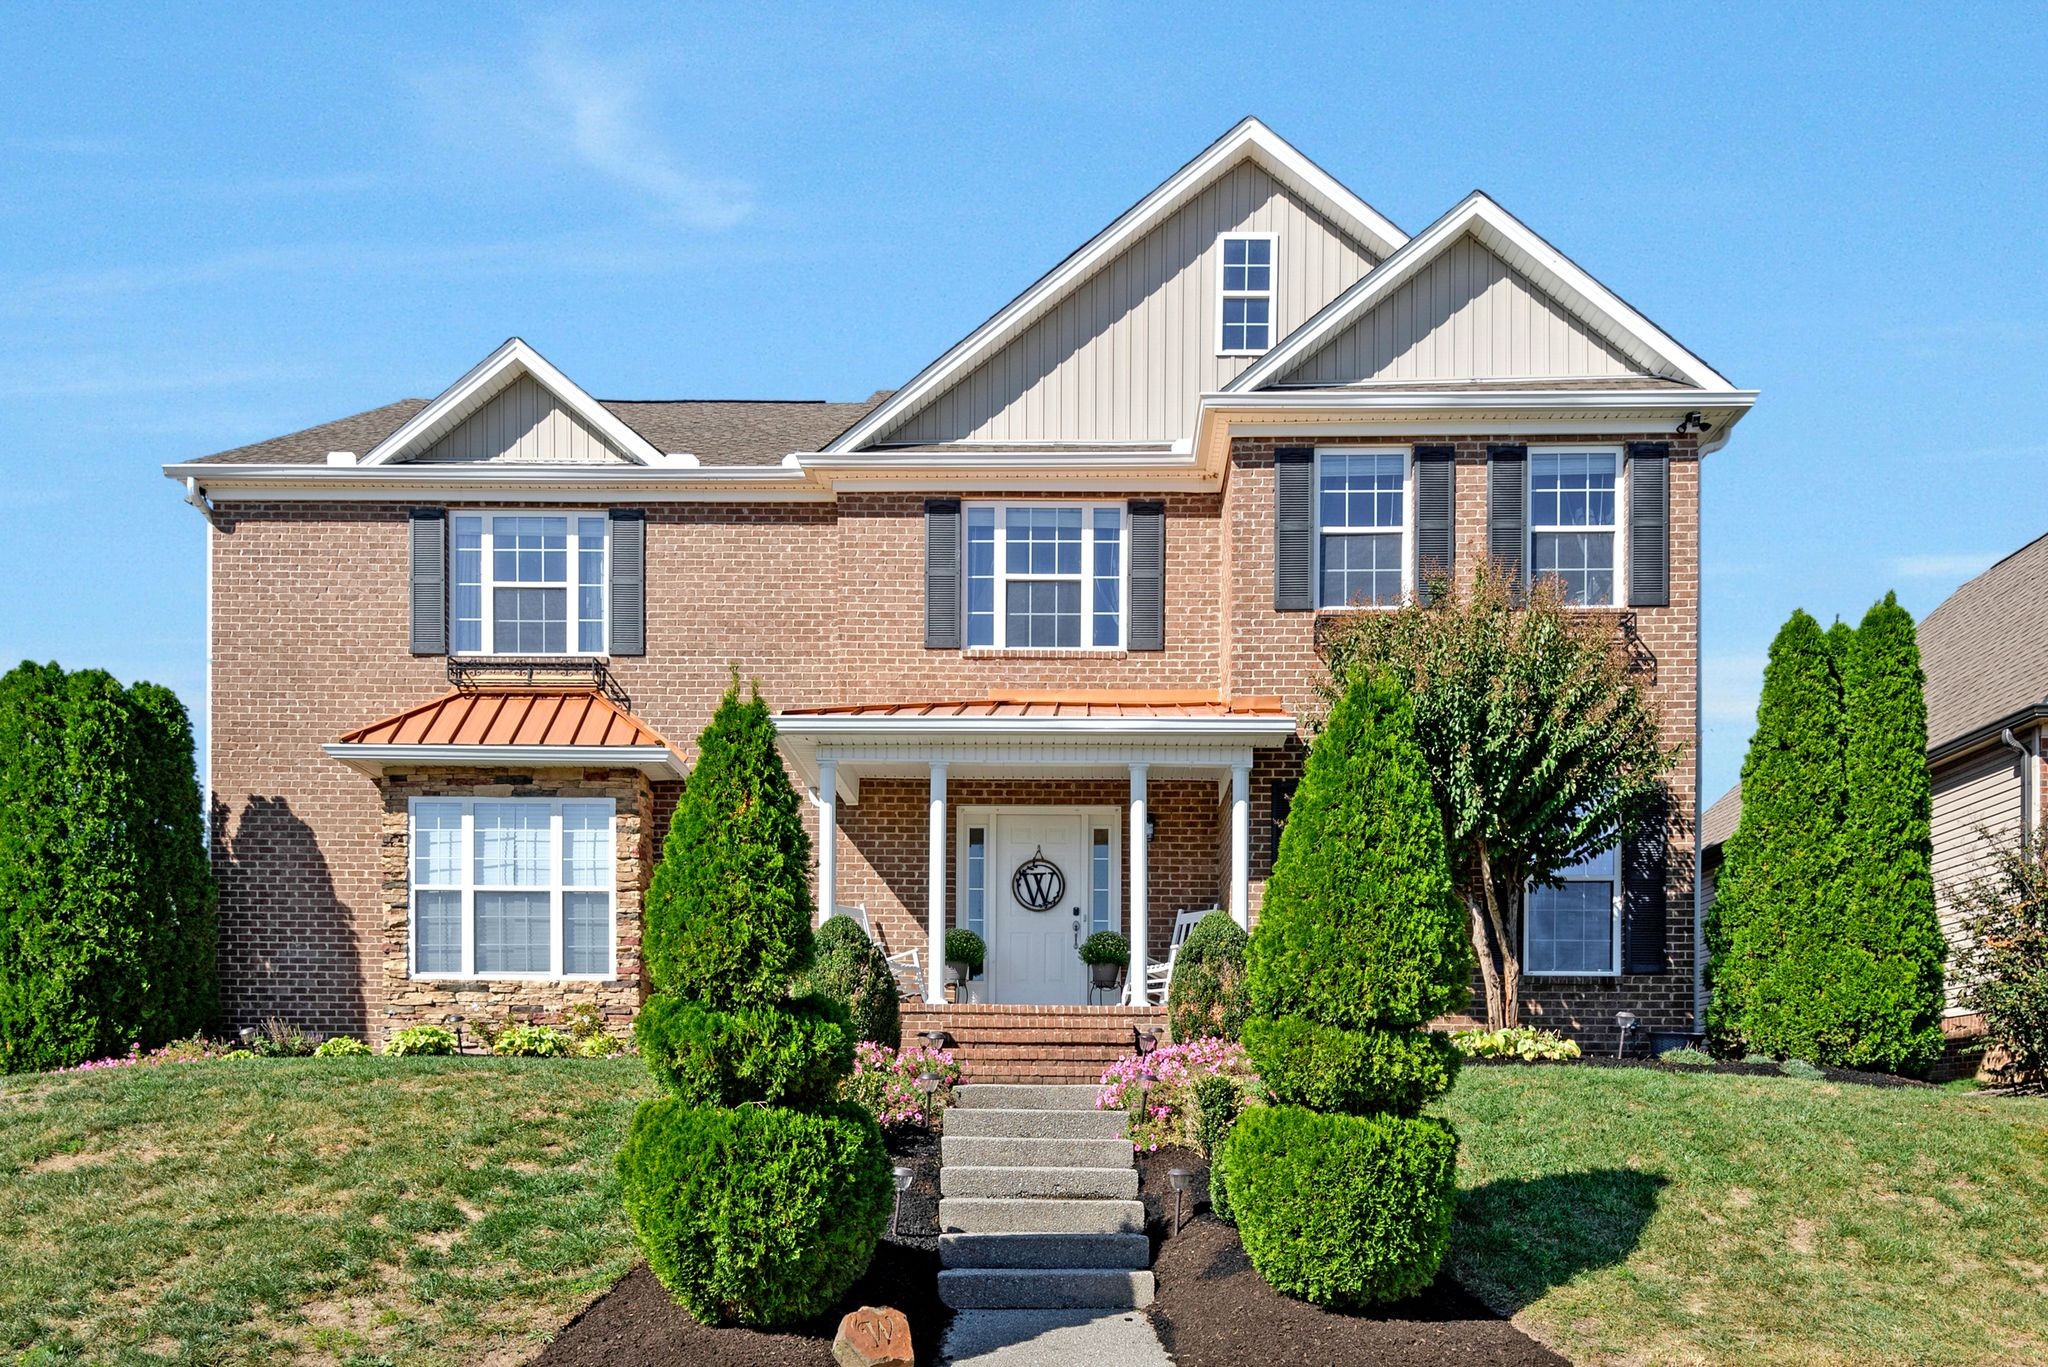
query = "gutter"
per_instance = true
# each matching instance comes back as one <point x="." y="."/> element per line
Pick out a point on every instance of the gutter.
<point x="1985" y="734"/>
<point x="651" y="759"/>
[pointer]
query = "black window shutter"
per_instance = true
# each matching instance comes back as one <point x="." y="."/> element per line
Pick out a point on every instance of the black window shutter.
<point x="1283" y="802"/>
<point x="1649" y="524"/>
<point x="942" y="574"/>
<point x="1435" y="496"/>
<point x="1294" y="529"/>
<point x="429" y="581"/>
<point x="1507" y="509"/>
<point x="629" y="582"/>
<point x="1146" y="629"/>
<point x="1643" y="899"/>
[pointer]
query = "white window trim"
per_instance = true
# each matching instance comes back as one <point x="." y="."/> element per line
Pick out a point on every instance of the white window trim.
<point x="1614" y="922"/>
<point x="1087" y="576"/>
<point x="1407" y="455"/>
<point x="1529" y="528"/>
<point x="1270" y="294"/>
<point x="574" y="584"/>
<point x="468" y="888"/>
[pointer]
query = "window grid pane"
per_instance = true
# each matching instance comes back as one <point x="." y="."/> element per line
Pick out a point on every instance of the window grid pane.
<point x="437" y="844"/>
<point x="586" y="932"/>
<point x="590" y="584"/>
<point x="586" y="846"/>
<point x="1571" y="929"/>
<point x="1100" y="892"/>
<point x="1247" y="280"/>
<point x="512" y="844"/>
<point x="1572" y="512"/>
<point x="977" y="880"/>
<point x="1362" y="569"/>
<point x="531" y="621"/>
<point x="468" y="605"/>
<point x="437" y="932"/>
<point x="512" y="932"/>
<point x="981" y="576"/>
<point x="1043" y="613"/>
<point x="1109" y="578"/>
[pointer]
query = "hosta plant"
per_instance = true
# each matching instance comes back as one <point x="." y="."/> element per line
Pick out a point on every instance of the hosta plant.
<point x="1522" y="1042"/>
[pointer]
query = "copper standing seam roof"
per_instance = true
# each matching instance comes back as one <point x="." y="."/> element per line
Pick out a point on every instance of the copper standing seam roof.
<point x="512" y="716"/>
<point x="1064" y="703"/>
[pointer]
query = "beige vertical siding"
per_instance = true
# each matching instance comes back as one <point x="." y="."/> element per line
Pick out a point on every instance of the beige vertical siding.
<point x="1125" y="355"/>
<point x="524" y="425"/>
<point x="1977" y="793"/>
<point x="1467" y="316"/>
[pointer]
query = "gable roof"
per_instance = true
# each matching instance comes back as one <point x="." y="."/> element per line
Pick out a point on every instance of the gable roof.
<point x="1610" y="317"/>
<point x="1985" y="649"/>
<point x="1249" y="138"/>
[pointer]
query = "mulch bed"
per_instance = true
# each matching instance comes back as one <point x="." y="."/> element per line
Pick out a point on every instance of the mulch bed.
<point x="635" y="1324"/>
<point x="1213" y="1310"/>
<point x="1849" y="1075"/>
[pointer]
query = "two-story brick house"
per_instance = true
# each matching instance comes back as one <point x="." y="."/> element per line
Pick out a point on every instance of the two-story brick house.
<point x="1056" y="598"/>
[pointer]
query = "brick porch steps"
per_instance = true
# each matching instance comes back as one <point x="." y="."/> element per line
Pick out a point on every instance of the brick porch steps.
<point x="1023" y="1044"/>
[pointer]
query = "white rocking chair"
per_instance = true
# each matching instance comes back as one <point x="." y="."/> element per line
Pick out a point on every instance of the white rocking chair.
<point x="1159" y="977"/>
<point x="907" y="966"/>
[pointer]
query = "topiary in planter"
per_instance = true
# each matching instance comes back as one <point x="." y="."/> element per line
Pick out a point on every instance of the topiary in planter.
<point x="1343" y="1191"/>
<point x="851" y="969"/>
<point x="963" y="946"/>
<point x="1207" y="994"/>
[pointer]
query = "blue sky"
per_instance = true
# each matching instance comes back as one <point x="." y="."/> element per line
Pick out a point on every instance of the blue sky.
<point x="235" y="221"/>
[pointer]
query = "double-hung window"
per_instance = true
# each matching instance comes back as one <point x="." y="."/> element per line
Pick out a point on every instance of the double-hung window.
<point x="1573" y="517"/>
<point x="1045" y="576"/>
<point x="1245" y="300"/>
<point x="1361" y="520"/>
<point x="512" y="888"/>
<point x="1576" y="928"/>
<point x="528" y="583"/>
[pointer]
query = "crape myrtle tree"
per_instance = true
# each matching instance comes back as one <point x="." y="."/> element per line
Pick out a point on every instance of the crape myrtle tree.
<point x="1543" y="749"/>
<point x="757" y="1195"/>
<point x="106" y="896"/>
<point x="1342" y="1190"/>
<point x="1823" y="939"/>
<point x="2005" y="971"/>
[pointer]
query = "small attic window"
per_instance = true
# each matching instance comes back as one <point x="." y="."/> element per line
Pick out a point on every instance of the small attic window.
<point x="1245" y="315"/>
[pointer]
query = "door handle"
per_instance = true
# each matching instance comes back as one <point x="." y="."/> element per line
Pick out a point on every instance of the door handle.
<point x="1077" y="927"/>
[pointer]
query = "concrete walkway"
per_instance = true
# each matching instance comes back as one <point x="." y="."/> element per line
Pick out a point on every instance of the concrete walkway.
<point x="1052" y="1338"/>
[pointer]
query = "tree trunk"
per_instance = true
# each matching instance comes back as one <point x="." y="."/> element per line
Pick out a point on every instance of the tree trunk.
<point x="1501" y="969"/>
<point x="1489" y="968"/>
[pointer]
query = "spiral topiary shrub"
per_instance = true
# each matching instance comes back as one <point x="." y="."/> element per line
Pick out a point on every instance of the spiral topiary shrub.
<point x="851" y="969"/>
<point x="1342" y="1190"/>
<point x="1207" y="994"/>
<point x="788" y="1055"/>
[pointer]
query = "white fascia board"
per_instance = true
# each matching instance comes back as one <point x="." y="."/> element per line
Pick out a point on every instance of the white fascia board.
<point x="1262" y="732"/>
<point x="1659" y="401"/>
<point x="1522" y="248"/>
<point x="1249" y="138"/>
<point x="519" y="484"/>
<point x="483" y="381"/>
<point x="1023" y="469"/>
<point x="650" y="759"/>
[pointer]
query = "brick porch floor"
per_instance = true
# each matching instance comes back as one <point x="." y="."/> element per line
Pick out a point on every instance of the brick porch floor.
<point x="1034" y="1043"/>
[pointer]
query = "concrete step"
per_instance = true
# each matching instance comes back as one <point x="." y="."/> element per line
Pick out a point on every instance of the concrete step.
<point x="1033" y="1215"/>
<point x="970" y="1151"/>
<point x="979" y="1123"/>
<point x="1053" y="1288"/>
<point x="1045" y="1250"/>
<point x="1102" y="1184"/>
<point x="997" y="1096"/>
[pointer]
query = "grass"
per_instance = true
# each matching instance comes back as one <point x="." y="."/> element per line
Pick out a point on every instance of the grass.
<point x="1629" y="1216"/>
<point x="350" y="1211"/>
<point x="442" y="1211"/>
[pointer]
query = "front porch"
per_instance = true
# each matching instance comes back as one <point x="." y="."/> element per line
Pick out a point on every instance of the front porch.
<point x="1032" y="1043"/>
<point x="1035" y="820"/>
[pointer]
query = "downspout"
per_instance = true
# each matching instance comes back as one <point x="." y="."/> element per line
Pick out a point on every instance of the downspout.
<point x="196" y="496"/>
<point x="1699" y="766"/>
<point x="2027" y="823"/>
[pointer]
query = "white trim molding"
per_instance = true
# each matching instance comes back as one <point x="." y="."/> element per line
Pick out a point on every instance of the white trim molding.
<point x="654" y="760"/>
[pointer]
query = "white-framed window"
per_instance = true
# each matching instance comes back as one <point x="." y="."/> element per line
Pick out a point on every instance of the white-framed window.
<point x="1574" y="522"/>
<point x="1045" y="576"/>
<point x="1244" y="314"/>
<point x="527" y="583"/>
<point x="1101" y="879"/>
<point x="1575" y="929"/>
<point x="520" y="887"/>
<point x="1362" y="528"/>
<point x="975" y="891"/>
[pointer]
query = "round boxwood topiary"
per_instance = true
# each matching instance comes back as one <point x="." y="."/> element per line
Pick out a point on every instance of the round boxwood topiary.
<point x="1325" y="1068"/>
<point x="963" y="946"/>
<point x="779" y="1221"/>
<point x="793" y="1054"/>
<point x="1342" y="1210"/>
<point x="851" y="969"/>
<point x="1207" y="994"/>
<point x="1105" y="947"/>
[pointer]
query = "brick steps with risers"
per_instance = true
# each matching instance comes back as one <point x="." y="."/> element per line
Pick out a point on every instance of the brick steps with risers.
<point x="1012" y="1044"/>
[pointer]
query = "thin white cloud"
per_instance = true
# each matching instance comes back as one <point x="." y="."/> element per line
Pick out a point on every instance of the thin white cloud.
<point x="1729" y="688"/>
<point x="1963" y="565"/>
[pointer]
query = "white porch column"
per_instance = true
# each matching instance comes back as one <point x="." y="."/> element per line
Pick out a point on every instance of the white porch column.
<point x="828" y="839"/>
<point x="935" y="899"/>
<point x="1139" y="855"/>
<point x="1241" y="845"/>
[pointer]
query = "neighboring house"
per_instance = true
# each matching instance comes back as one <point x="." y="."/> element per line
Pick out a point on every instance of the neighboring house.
<point x="1985" y="654"/>
<point x="1056" y="598"/>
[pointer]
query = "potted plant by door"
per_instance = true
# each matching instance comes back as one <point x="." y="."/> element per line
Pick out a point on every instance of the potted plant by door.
<point x="1107" y="955"/>
<point x="965" y="954"/>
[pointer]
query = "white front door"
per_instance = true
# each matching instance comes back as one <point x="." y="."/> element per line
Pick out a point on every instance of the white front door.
<point x="1033" y="954"/>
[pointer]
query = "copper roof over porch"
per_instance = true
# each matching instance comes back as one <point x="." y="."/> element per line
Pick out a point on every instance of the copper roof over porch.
<point x="534" y="725"/>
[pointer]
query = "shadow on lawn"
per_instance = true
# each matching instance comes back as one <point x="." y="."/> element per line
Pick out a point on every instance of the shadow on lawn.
<point x="1515" y="1238"/>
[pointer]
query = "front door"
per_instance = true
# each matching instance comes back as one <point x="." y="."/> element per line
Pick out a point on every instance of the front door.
<point x="1040" y="886"/>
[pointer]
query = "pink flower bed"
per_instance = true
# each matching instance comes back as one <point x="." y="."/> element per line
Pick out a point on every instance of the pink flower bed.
<point x="885" y="1081"/>
<point x="1163" y="1082"/>
<point x="178" y="1051"/>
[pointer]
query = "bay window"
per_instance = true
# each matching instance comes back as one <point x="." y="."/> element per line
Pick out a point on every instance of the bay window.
<point x="1045" y="576"/>
<point x="528" y="583"/>
<point x="512" y="887"/>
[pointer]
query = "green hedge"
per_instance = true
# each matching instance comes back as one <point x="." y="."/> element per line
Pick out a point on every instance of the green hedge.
<point x="1325" y="1068"/>
<point x="1342" y="1210"/>
<point x="1207" y="994"/>
<point x="756" y="1215"/>
<point x="793" y="1054"/>
<point x="851" y="969"/>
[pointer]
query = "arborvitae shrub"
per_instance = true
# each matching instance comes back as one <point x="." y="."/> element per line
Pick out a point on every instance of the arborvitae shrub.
<point x="851" y="969"/>
<point x="1344" y="1196"/>
<point x="793" y="1054"/>
<point x="1218" y="1100"/>
<point x="1207" y="994"/>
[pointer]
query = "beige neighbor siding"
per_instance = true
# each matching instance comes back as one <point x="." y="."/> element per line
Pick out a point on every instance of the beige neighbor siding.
<point x="1982" y="791"/>
<point x="1467" y="316"/>
<point x="1125" y="355"/>
<point x="523" y="425"/>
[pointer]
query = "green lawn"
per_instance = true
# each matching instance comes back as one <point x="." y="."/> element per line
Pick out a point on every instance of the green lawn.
<point x="459" y="1210"/>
